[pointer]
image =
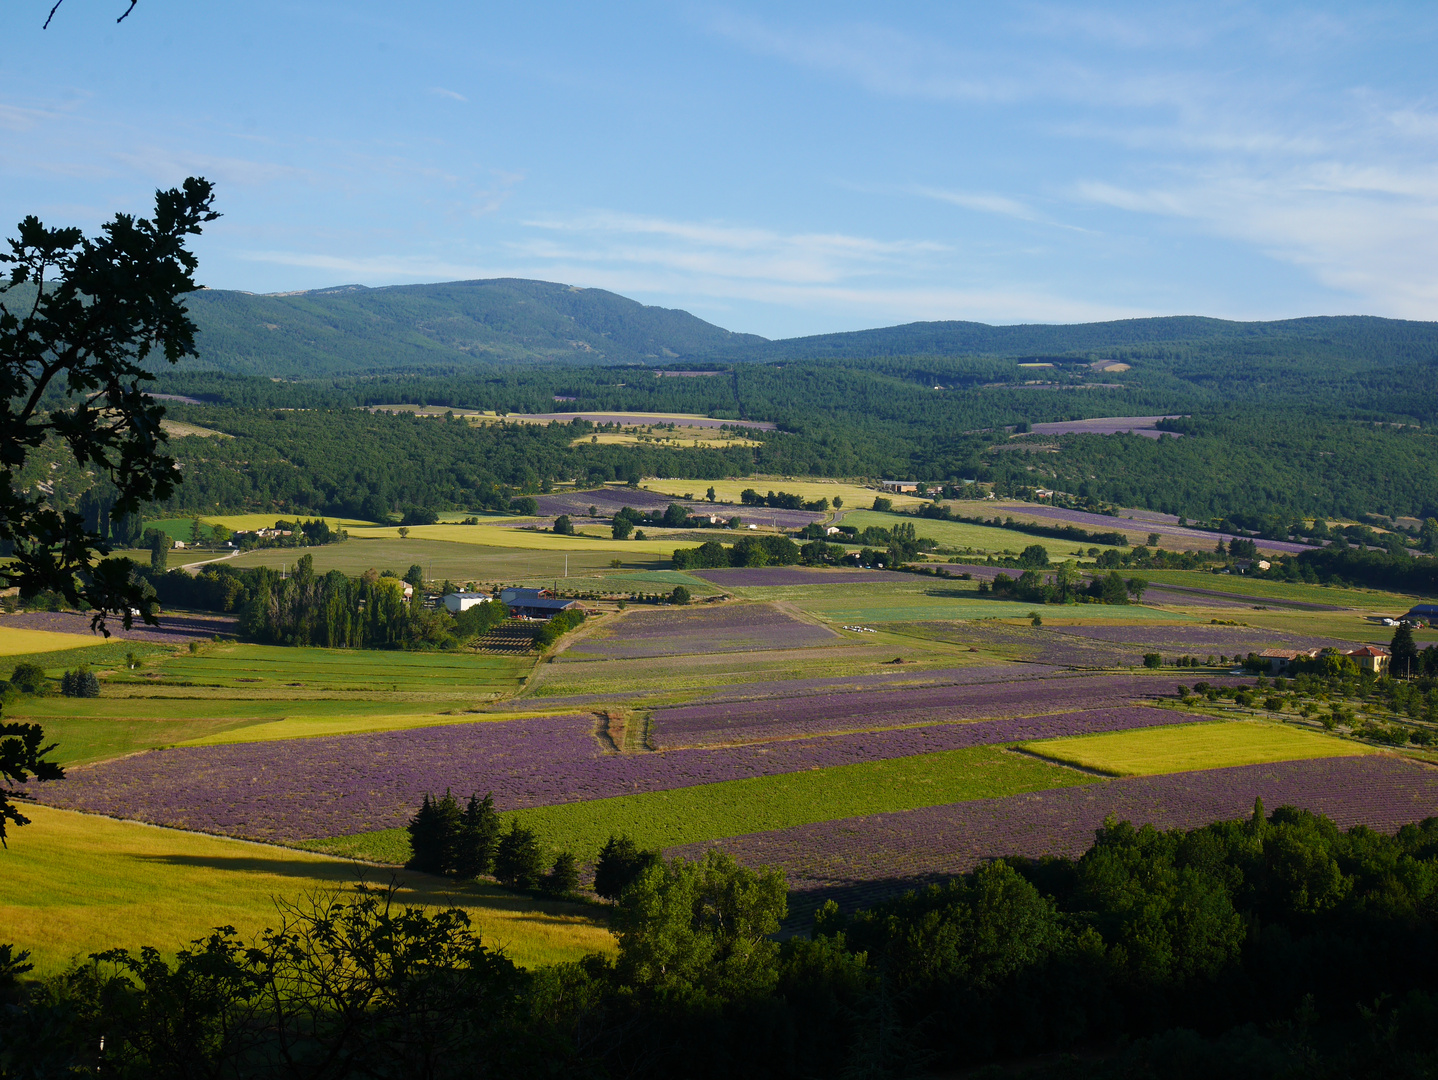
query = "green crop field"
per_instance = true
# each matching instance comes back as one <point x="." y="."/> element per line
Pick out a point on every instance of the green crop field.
<point x="1261" y="588"/>
<point x="245" y="693"/>
<point x="984" y="539"/>
<point x="442" y="559"/>
<point x="660" y="819"/>
<point x="351" y="670"/>
<point x="1344" y="625"/>
<point x="77" y="883"/>
<point x="1186" y="747"/>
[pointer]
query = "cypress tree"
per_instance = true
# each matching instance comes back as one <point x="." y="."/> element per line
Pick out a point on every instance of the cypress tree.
<point x="1404" y="650"/>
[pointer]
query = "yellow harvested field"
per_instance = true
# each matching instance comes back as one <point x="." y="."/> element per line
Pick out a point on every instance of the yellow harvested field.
<point x="178" y="430"/>
<point x="855" y="497"/>
<point x="498" y="536"/>
<point x="76" y="884"/>
<point x="1187" y="747"/>
<point x="15" y="641"/>
<point x="306" y="727"/>
<point x="267" y="521"/>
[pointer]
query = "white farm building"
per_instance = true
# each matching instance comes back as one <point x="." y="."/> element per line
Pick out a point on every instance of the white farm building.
<point x="463" y="601"/>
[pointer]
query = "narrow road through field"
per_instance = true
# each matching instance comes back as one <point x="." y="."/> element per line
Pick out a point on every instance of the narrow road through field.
<point x="193" y="568"/>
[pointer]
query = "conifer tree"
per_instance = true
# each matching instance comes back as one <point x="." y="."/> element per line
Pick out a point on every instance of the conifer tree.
<point x="478" y="836"/>
<point x="563" y="876"/>
<point x="426" y="851"/>
<point x="518" y="862"/>
<point x="620" y="862"/>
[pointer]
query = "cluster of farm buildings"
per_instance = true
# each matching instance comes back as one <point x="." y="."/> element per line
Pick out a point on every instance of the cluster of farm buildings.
<point x="522" y="603"/>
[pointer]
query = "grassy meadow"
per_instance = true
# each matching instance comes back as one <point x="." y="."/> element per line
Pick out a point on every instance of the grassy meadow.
<point x="76" y="883"/>
<point x="983" y="539"/>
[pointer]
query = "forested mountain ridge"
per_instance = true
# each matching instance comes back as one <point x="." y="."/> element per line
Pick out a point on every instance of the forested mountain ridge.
<point x="458" y="324"/>
<point x="1356" y="335"/>
<point x="469" y="325"/>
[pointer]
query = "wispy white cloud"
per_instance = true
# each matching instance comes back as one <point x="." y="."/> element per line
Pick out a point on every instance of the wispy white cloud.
<point x="440" y="91"/>
<point x="722" y="250"/>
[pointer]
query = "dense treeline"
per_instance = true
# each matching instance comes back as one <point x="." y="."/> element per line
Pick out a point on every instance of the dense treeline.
<point x="330" y="610"/>
<point x="1274" y="429"/>
<point x="1276" y="946"/>
<point x="371" y="465"/>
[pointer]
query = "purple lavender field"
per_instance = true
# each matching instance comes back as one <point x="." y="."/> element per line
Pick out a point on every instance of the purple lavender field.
<point x="172" y="629"/>
<point x="1187" y="639"/>
<point x="745" y="577"/>
<point x="792" y="688"/>
<point x="608" y="501"/>
<point x="860" y="860"/>
<point x="1115" y="646"/>
<point x="1107" y="425"/>
<point x="306" y="788"/>
<point x="734" y="722"/>
<point x="731" y="628"/>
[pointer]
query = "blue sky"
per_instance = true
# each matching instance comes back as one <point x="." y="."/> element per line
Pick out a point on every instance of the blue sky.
<point x="778" y="169"/>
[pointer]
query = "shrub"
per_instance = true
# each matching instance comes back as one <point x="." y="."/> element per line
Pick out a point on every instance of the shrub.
<point x="524" y="506"/>
<point x="883" y="505"/>
<point x="557" y="627"/>
<point x="1152" y="660"/>
<point x="1035" y="556"/>
<point x="563" y="876"/>
<point x="518" y="861"/>
<point x="563" y="526"/>
<point x="620" y="862"/>
<point x="29" y="679"/>
<point x="680" y="595"/>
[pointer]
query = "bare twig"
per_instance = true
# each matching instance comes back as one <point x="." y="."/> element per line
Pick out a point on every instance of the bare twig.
<point x="56" y="8"/>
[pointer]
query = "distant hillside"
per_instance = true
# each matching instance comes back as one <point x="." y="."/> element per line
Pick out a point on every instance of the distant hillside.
<point x="456" y="324"/>
<point x="470" y="324"/>
<point x="1354" y="335"/>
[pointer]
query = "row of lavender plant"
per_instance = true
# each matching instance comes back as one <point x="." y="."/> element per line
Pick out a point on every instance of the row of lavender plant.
<point x="731" y="628"/>
<point x="305" y="788"/>
<point x="859" y="860"/>
<point x="814" y="715"/>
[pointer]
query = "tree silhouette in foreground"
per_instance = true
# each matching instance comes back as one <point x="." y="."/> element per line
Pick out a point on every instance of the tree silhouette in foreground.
<point x="80" y="321"/>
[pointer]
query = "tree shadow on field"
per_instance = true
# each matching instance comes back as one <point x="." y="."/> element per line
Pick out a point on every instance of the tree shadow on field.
<point x="414" y="887"/>
<point x="340" y="873"/>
